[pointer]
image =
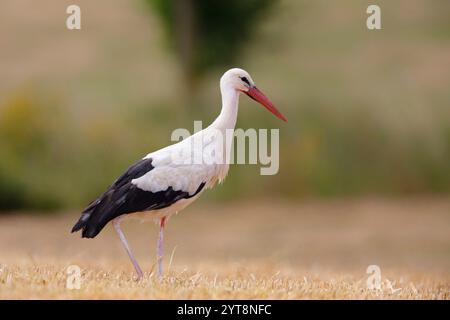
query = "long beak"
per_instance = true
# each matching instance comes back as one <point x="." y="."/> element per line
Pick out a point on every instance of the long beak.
<point x="257" y="95"/>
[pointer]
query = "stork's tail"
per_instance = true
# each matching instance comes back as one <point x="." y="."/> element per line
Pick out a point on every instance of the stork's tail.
<point x="85" y="222"/>
<point x="82" y="222"/>
<point x="90" y="222"/>
<point x="89" y="229"/>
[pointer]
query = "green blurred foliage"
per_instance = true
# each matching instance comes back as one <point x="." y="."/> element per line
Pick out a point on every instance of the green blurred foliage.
<point x="208" y="34"/>
<point x="26" y="135"/>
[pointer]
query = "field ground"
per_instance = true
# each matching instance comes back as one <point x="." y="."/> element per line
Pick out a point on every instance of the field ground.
<point x="265" y="250"/>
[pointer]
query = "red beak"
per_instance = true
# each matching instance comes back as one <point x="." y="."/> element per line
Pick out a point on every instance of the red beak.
<point x="257" y="95"/>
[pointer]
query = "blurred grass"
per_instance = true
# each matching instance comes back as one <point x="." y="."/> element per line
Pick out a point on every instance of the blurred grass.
<point x="368" y="110"/>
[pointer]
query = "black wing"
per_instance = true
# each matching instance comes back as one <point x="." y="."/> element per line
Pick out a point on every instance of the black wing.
<point x="123" y="197"/>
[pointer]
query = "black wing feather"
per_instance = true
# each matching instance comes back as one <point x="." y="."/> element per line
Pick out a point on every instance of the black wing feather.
<point x="123" y="197"/>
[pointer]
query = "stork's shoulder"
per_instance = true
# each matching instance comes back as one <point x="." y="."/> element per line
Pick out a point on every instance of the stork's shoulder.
<point x="183" y="166"/>
<point x="166" y="155"/>
<point x="136" y="170"/>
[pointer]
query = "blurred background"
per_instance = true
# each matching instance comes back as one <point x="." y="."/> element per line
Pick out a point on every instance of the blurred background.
<point x="364" y="160"/>
<point x="369" y="111"/>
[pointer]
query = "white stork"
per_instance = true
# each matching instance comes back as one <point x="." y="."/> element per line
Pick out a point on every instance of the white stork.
<point x="160" y="184"/>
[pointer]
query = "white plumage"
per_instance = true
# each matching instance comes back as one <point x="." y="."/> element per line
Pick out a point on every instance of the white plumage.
<point x="166" y="181"/>
<point x="176" y="166"/>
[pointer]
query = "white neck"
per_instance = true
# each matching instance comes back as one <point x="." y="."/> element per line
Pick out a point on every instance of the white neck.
<point x="230" y="103"/>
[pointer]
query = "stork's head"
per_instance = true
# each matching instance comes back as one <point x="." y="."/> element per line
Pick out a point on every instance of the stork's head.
<point x="240" y="80"/>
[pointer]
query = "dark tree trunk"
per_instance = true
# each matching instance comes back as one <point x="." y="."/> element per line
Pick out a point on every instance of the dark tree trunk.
<point x="186" y="30"/>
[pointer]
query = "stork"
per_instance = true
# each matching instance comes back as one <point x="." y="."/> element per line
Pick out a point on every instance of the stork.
<point x="166" y="181"/>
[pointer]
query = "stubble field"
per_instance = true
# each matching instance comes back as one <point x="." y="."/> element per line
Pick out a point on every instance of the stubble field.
<point x="270" y="250"/>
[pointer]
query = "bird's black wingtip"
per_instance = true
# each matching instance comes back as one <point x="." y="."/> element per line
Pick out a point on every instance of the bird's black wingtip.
<point x="78" y="226"/>
<point x="81" y="223"/>
<point x="89" y="233"/>
<point x="74" y="229"/>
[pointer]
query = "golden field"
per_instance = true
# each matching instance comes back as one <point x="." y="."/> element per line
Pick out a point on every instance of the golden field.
<point x="264" y="250"/>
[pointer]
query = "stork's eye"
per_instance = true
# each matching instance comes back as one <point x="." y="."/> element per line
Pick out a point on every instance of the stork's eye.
<point x="245" y="80"/>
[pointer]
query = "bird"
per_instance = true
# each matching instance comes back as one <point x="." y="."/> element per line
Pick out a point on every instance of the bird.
<point x="167" y="180"/>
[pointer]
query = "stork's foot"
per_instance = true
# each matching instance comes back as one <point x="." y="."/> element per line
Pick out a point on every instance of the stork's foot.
<point x="139" y="274"/>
